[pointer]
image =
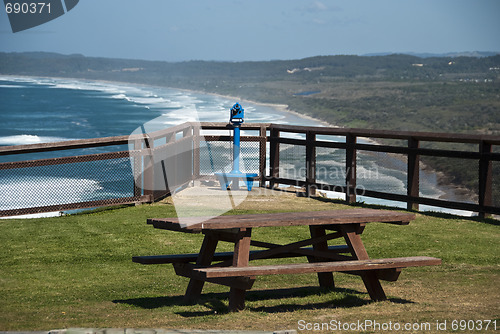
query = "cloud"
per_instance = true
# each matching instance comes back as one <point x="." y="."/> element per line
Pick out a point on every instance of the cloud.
<point x="319" y="6"/>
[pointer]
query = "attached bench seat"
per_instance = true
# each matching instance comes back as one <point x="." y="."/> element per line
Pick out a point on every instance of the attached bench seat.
<point x="221" y="256"/>
<point x="318" y="267"/>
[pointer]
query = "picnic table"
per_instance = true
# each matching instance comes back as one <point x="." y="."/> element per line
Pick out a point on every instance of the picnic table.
<point x="232" y="268"/>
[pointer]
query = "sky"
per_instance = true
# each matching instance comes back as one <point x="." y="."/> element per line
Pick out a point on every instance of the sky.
<point x="241" y="30"/>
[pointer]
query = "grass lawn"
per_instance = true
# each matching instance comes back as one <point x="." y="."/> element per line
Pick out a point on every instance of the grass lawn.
<point x="76" y="271"/>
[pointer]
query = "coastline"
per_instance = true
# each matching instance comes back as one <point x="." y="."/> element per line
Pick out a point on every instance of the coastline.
<point x="276" y="106"/>
<point x="285" y="108"/>
<point x="450" y="190"/>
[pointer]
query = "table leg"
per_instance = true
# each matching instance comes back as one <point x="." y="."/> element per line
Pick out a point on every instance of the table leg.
<point x="205" y="257"/>
<point x="352" y="236"/>
<point x="325" y="279"/>
<point x="240" y="259"/>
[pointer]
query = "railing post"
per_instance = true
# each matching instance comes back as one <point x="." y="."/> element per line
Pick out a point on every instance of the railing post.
<point x="274" y="155"/>
<point x="196" y="153"/>
<point x="485" y="178"/>
<point x="137" y="172"/>
<point x="262" y="155"/>
<point x="350" y="168"/>
<point x="413" y="181"/>
<point x="310" y="163"/>
<point x="148" y="181"/>
<point x="168" y="165"/>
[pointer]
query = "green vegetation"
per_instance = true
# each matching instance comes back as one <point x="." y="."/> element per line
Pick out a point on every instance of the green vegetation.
<point x="76" y="271"/>
<point x="393" y="92"/>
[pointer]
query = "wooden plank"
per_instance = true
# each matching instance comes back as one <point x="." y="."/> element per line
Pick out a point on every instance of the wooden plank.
<point x="485" y="178"/>
<point x="413" y="177"/>
<point x="205" y="257"/>
<point x="289" y="141"/>
<point x="78" y="205"/>
<point x="421" y="151"/>
<point x="165" y="224"/>
<point x="371" y="133"/>
<point x="240" y="260"/>
<point x="350" y="216"/>
<point x="432" y="202"/>
<point x="370" y="279"/>
<point x="275" y="249"/>
<point x="325" y="279"/>
<point x="64" y="160"/>
<point x="274" y="155"/>
<point x="351" y="235"/>
<point x="223" y="256"/>
<point x="65" y="145"/>
<point x="310" y="164"/>
<point x="262" y="155"/>
<point x="242" y="248"/>
<point x="350" y="167"/>
<point x="305" y="268"/>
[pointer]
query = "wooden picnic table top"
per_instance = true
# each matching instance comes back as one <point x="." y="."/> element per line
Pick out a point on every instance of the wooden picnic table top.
<point x="328" y="217"/>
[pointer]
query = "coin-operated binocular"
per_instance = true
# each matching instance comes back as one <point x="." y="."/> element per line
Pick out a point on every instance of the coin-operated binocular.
<point x="236" y="116"/>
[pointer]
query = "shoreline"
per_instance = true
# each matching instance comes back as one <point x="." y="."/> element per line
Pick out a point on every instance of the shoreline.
<point x="277" y="106"/>
<point x="458" y="192"/>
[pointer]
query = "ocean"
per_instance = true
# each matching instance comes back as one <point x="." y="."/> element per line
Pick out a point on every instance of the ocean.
<point x="41" y="110"/>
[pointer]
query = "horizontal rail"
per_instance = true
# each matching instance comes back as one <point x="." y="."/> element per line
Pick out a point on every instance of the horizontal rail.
<point x="394" y="149"/>
<point x="229" y="138"/>
<point x="64" y="160"/>
<point x="122" y="140"/>
<point x="64" y="145"/>
<point x="76" y="205"/>
<point x="89" y="143"/>
<point x="387" y="134"/>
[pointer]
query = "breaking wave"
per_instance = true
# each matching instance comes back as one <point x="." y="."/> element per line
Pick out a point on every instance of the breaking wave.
<point x="29" y="139"/>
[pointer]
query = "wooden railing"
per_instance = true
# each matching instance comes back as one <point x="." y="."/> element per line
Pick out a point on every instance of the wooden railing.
<point x="139" y="179"/>
<point x="176" y="151"/>
<point x="27" y="191"/>
<point x="484" y="155"/>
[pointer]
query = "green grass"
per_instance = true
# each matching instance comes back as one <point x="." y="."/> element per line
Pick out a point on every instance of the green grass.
<point x="76" y="271"/>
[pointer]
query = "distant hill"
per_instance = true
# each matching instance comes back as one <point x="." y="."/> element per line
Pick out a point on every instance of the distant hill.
<point x="476" y="54"/>
<point x="201" y="74"/>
